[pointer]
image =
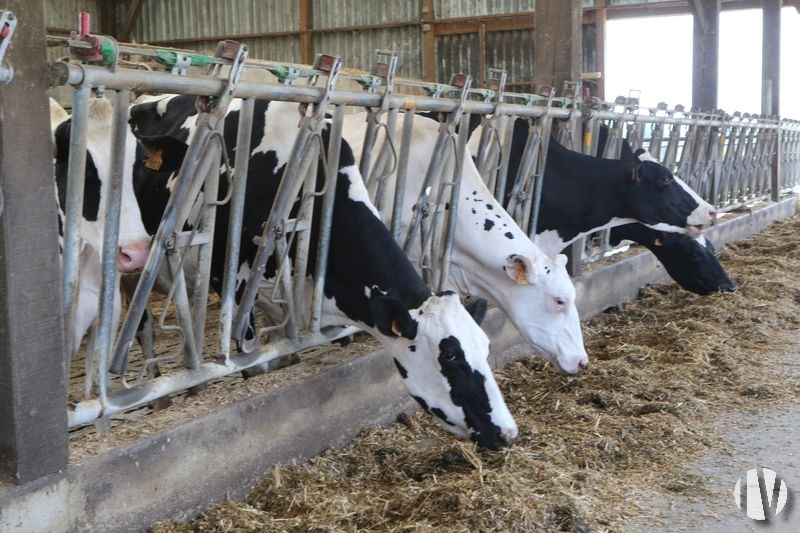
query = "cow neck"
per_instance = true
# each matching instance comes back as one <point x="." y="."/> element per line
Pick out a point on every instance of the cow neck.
<point x="486" y="237"/>
<point x="363" y="255"/>
<point x="573" y="202"/>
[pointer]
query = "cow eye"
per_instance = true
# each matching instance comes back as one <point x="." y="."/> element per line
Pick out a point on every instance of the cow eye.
<point x="560" y="302"/>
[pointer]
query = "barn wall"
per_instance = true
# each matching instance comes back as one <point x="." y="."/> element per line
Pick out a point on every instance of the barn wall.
<point x="63" y="14"/>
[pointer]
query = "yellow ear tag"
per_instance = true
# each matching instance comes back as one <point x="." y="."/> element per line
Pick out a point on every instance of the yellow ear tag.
<point x="396" y="329"/>
<point x="154" y="159"/>
<point x="522" y="279"/>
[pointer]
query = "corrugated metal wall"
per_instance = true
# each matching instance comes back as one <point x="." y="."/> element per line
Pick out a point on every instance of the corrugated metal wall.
<point x="446" y="9"/>
<point x="63" y="14"/>
<point x="351" y="29"/>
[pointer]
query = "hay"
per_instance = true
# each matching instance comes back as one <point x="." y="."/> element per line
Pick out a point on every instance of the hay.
<point x="662" y="368"/>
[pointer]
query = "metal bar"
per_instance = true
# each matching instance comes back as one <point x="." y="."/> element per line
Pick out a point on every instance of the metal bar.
<point x="402" y="172"/>
<point x="455" y="195"/>
<point x="235" y="217"/>
<point x="110" y="297"/>
<point x="326" y="216"/>
<point x="73" y="212"/>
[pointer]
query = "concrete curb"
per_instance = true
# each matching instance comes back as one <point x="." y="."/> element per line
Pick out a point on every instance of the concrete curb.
<point x="177" y="473"/>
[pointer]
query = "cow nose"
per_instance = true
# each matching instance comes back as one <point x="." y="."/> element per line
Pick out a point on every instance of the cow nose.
<point x="132" y="257"/>
<point x="509" y="436"/>
<point x="583" y="365"/>
<point x="712" y="214"/>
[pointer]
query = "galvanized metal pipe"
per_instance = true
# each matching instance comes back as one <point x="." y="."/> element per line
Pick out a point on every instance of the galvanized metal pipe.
<point x="73" y="212"/>
<point x="402" y="172"/>
<point x="326" y="216"/>
<point x="110" y="288"/>
<point x="235" y="219"/>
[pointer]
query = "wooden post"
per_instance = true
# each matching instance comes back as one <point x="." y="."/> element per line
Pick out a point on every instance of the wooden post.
<point x="557" y="50"/>
<point x="305" y="24"/>
<point x="428" y="41"/>
<point x="557" y="42"/>
<point x="705" y="53"/>
<point x="771" y="57"/>
<point x="33" y="412"/>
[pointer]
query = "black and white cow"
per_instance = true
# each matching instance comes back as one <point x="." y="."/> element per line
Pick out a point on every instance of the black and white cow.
<point x="134" y="241"/>
<point x="438" y="348"/>
<point x="582" y="194"/>
<point x="493" y="258"/>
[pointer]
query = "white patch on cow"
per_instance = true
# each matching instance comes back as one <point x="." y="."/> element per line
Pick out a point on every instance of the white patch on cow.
<point x="551" y="243"/>
<point x="281" y="126"/>
<point x="357" y="191"/>
<point x="646" y="156"/>
<point x="703" y="213"/>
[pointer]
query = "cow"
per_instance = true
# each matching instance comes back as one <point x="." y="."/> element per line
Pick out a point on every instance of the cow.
<point x="133" y="243"/>
<point x="582" y="194"/>
<point x="493" y="258"/>
<point x="438" y="348"/>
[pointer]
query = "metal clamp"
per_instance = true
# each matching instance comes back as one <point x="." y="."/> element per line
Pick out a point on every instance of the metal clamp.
<point x="8" y="23"/>
<point x="93" y="48"/>
<point x="331" y="65"/>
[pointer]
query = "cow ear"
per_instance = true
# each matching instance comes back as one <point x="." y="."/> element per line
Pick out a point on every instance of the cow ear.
<point x="561" y="260"/>
<point x="392" y="317"/>
<point x="519" y="268"/>
<point x="163" y="153"/>
<point x="477" y="309"/>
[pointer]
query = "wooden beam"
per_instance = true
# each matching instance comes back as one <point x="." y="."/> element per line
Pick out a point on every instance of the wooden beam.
<point x="705" y="57"/>
<point x="771" y="57"/>
<point x="557" y="42"/>
<point x="305" y="24"/>
<point x="130" y="21"/>
<point x="33" y="393"/>
<point x="428" y="41"/>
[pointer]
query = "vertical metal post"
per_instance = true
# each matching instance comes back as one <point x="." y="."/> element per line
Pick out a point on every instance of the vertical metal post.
<point x="326" y="214"/>
<point x="109" y="296"/>
<point x="73" y="211"/>
<point x="235" y="217"/>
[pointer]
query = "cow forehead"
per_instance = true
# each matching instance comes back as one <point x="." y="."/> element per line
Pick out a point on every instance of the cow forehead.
<point x="444" y="316"/>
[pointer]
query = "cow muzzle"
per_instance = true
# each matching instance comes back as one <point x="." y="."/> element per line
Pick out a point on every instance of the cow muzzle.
<point x="132" y="257"/>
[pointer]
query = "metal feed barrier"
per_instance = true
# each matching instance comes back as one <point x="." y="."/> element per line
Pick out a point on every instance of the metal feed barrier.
<point x="728" y="159"/>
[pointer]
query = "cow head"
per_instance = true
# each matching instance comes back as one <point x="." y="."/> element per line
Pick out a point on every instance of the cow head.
<point x="663" y="202"/>
<point x="134" y="242"/>
<point x="545" y="309"/>
<point x="690" y="262"/>
<point x="442" y="355"/>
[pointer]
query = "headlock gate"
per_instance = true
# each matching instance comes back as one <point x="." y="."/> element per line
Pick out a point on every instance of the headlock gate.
<point x="731" y="160"/>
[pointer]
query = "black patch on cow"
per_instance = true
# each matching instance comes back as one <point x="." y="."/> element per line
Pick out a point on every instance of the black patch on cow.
<point x="421" y="402"/>
<point x="400" y="368"/>
<point x="508" y="235"/>
<point x="412" y="347"/>
<point x="468" y="391"/>
<point x="474" y="192"/>
<point x="92" y="184"/>
<point x="435" y="411"/>
<point x="487" y="224"/>
<point x="489" y="206"/>
<point x="474" y="212"/>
